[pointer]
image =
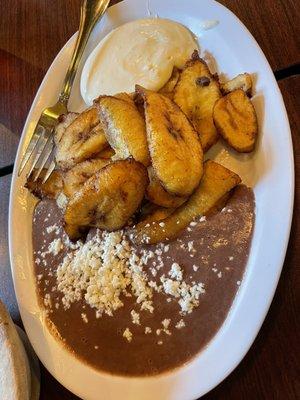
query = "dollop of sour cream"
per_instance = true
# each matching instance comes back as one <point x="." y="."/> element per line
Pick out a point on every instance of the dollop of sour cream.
<point x="140" y="52"/>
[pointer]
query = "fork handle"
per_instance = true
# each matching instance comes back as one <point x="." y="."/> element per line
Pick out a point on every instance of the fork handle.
<point x="90" y="12"/>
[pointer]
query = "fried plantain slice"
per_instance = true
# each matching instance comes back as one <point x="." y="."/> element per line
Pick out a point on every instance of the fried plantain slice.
<point x="216" y="182"/>
<point x="108" y="199"/>
<point x="168" y="88"/>
<point x="82" y="139"/>
<point x="124" y="128"/>
<point x="75" y="177"/>
<point x="50" y="189"/>
<point x="75" y="232"/>
<point x="64" y="121"/>
<point x="241" y="81"/>
<point x="235" y="119"/>
<point x="106" y="153"/>
<point x="158" y="195"/>
<point x="174" y="146"/>
<point x="196" y="93"/>
<point x="219" y="204"/>
<point x="157" y="214"/>
<point x="146" y="208"/>
<point x="125" y="96"/>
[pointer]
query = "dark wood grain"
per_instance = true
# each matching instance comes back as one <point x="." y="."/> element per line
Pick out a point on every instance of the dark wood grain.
<point x="275" y="24"/>
<point x="8" y="145"/>
<point x="31" y="34"/>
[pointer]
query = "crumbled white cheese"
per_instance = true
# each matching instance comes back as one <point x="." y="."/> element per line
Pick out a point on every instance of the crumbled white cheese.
<point x="135" y="317"/>
<point x="180" y="324"/>
<point x="191" y="246"/>
<point x="127" y="335"/>
<point x="195" y="268"/>
<point x="158" y="252"/>
<point x="188" y="294"/>
<point x="84" y="318"/>
<point x="61" y="201"/>
<point x="52" y="228"/>
<point x="170" y="286"/>
<point x="176" y="272"/>
<point x="47" y="300"/>
<point x="108" y="268"/>
<point x="55" y="247"/>
<point x="101" y="270"/>
<point x="147" y="330"/>
<point x="166" y="323"/>
<point x="203" y="218"/>
<point x="160" y="342"/>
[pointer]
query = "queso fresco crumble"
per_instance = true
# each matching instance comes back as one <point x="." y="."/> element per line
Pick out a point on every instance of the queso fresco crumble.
<point x="107" y="267"/>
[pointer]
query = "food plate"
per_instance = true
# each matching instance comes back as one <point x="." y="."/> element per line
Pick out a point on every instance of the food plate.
<point x="269" y="170"/>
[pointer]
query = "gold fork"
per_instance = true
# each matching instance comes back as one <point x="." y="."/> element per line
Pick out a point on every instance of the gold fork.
<point x="40" y="149"/>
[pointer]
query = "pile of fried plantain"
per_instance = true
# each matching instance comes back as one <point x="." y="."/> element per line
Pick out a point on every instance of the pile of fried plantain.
<point x="124" y="128"/>
<point x="139" y="156"/>
<point x="241" y="81"/>
<point x="168" y="88"/>
<point x="175" y="150"/>
<point x="235" y="119"/>
<point x="196" y="93"/>
<point x="158" y="195"/>
<point x="80" y="140"/>
<point x="216" y="182"/>
<point x="49" y="189"/>
<point x="108" y="199"/>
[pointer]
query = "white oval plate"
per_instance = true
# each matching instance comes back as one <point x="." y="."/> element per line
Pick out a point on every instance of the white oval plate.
<point x="269" y="171"/>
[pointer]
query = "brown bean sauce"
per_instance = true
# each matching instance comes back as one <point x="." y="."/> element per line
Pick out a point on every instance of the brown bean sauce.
<point x="222" y="244"/>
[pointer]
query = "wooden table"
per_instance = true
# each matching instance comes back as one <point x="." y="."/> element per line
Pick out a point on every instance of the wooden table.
<point x="30" y="37"/>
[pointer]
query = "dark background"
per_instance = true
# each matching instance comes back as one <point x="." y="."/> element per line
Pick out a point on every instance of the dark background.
<point x="31" y="34"/>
